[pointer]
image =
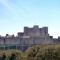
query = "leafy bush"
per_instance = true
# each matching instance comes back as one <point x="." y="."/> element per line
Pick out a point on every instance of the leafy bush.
<point x="41" y="52"/>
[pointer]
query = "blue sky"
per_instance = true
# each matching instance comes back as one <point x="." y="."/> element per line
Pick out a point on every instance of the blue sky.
<point x="15" y="14"/>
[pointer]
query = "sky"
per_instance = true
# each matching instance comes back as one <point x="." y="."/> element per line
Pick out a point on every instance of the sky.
<point x="15" y="14"/>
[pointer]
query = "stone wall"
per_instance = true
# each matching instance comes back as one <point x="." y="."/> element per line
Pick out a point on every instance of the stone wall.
<point x="34" y="35"/>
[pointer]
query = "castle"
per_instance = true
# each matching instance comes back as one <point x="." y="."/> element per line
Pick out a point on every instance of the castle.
<point x="30" y="36"/>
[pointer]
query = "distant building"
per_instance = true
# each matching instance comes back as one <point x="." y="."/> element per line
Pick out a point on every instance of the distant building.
<point x="30" y="36"/>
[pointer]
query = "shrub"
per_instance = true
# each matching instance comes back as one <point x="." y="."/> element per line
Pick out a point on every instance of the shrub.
<point x="12" y="57"/>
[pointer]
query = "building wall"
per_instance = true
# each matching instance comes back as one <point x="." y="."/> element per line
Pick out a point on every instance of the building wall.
<point x="1" y="40"/>
<point x="34" y="35"/>
<point x="14" y="40"/>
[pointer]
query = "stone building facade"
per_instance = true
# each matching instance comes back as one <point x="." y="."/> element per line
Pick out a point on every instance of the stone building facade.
<point x="30" y="36"/>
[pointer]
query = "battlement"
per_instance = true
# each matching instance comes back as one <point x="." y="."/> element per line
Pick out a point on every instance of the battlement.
<point x="35" y="31"/>
<point x="30" y="35"/>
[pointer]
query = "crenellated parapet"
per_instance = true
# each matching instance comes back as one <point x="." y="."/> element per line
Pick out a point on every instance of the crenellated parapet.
<point x="30" y="35"/>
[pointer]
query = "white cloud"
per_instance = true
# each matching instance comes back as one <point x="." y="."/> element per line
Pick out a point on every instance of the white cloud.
<point x="6" y="4"/>
<point x="14" y="11"/>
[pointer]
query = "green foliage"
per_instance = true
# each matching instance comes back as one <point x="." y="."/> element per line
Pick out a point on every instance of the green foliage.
<point x="40" y="52"/>
<point x="45" y="52"/>
<point x="12" y="57"/>
<point x="4" y="57"/>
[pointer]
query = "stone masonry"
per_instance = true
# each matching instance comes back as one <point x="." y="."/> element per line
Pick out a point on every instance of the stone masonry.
<point x="33" y="35"/>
